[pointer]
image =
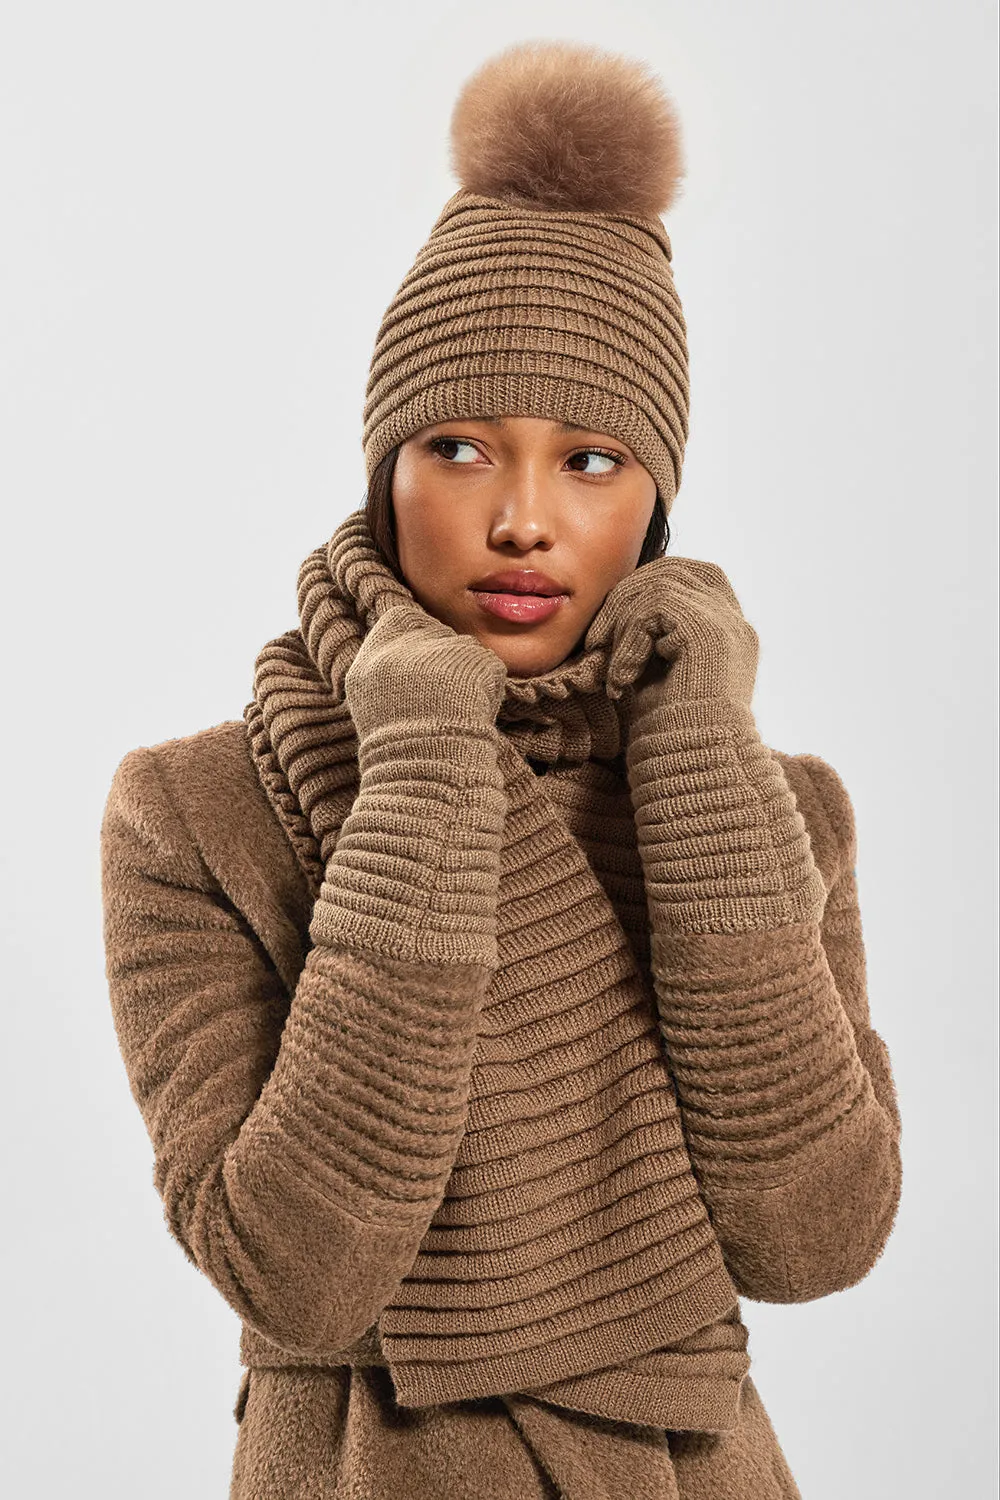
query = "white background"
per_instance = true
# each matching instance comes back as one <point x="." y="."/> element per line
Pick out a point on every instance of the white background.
<point x="205" y="209"/>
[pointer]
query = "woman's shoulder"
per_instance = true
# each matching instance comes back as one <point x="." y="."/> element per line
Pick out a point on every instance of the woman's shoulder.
<point x="198" y="800"/>
<point x="198" y="760"/>
<point x="198" y="773"/>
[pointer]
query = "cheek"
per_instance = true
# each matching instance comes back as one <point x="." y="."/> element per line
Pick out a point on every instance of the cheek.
<point x="429" y="539"/>
<point x="427" y="523"/>
<point x="614" y="543"/>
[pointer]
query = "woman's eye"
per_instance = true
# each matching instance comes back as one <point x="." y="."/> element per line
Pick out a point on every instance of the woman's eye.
<point x="441" y="444"/>
<point x="609" y="460"/>
<point x="449" y="449"/>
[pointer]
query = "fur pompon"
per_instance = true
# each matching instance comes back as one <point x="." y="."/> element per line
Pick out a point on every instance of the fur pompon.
<point x="564" y="126"/>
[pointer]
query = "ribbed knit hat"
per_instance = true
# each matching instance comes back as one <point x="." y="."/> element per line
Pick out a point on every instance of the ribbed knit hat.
<point x="545" y="287"/>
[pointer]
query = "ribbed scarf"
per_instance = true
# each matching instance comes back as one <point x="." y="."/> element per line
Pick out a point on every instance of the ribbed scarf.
<point x="572" y="1253"/>
<point x="300" y="725"/>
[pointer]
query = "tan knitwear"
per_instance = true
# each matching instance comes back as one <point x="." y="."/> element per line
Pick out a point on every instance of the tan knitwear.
<point x="504" y="1126"/>
<point x="513" y="310"/>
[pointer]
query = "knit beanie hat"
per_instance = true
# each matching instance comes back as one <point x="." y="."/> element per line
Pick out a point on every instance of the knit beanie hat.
<point x="545" y="287"/>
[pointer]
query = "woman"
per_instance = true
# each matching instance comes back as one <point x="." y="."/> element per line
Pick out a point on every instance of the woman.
<point x="494" y="998"/>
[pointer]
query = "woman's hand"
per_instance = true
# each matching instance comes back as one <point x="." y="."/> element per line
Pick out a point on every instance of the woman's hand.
<point x="703" y="646"/>
<point x="724" y="846"/>
<point x="411" y="666"/>
<point x="416" y="868"/>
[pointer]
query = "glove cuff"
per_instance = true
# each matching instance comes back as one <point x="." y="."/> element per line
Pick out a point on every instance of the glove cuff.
<point x="724" y="845"/>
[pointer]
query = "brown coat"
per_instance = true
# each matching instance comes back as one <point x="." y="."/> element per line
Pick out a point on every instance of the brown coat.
<point x="207" y="931"/>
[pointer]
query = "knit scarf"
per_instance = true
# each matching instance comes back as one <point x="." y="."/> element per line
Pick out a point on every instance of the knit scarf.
<point x="300" y="725"/>
<point x="572" y="1250"/>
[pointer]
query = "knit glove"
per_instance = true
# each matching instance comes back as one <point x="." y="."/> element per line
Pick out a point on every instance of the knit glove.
<point x="724" y="846"/>
<point x="413" y="668"/>
<point x="681" y="616"/>
<point x="415" y="872"/>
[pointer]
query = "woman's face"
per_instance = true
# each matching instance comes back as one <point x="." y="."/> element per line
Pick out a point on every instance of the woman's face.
<point x="484" y="495"/>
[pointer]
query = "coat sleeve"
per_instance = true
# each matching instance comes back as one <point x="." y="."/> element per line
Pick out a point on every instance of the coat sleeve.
<point x="785" y="1089"/>
<point x="300" y="1151"/>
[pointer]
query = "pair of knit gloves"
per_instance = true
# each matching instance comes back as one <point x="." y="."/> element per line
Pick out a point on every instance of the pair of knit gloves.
<point x="725" y="849"/>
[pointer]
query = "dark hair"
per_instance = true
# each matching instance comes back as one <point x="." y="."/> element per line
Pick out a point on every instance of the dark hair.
<point x="382" y="520"/>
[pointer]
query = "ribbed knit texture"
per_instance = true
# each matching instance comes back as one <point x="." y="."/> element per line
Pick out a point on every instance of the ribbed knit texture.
<point x="572" y="1238"/>
<point x="572" y="1235"/>
<point x="563" y="314"/>
<point x="799" y="1076"/>
<point x="726" y="847"/>
<point x="499" y="1122"/>
<point x="416" y="869"/>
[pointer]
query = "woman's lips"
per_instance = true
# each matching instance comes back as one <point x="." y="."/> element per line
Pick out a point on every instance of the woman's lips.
<point x="526" y="609"/>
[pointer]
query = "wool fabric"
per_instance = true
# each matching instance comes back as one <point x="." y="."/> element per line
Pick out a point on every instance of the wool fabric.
<point x="534" y="1270"/>
<point x="514" y="309"/>
<point x="545" y="287"/>
<point x="454" y="1092"/>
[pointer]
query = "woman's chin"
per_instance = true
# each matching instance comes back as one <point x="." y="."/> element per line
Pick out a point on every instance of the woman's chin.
<point x="534" y="664"/>
<point x="524" y="650"/>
